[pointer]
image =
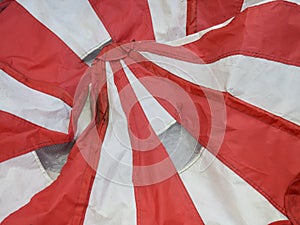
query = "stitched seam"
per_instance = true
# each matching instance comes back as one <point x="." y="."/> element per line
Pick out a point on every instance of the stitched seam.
<point x="252" y="183"/>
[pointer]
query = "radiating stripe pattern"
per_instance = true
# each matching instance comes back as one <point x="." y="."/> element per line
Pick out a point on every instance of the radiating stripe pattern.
<point x="178" y="176"/>
<point x="246" y="78"/>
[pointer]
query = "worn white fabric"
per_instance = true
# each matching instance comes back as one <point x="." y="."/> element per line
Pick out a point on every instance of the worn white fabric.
<point x="168" y="19"/>
<point x="34" y="106"/>
<point x="20" y="178"/>
<point x="85" y="117"/>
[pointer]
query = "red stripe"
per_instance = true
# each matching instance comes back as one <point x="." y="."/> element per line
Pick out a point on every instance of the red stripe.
<point x="139" y="126"/>
<point x="164" y="202"/>
<point x="269" y="31"/>
<point x="204" y="14"/>
<point x="125" y="20"/>
<point x="41" y="59"/>
<point x="191" y="20"/>
<point x="261" y="150"/>
<point x="65" y="201"/>
<point x="19" y="136"/>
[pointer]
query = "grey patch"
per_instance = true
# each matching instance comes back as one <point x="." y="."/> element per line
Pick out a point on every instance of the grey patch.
<point x="54" y="157"/>
<point x="183" y="149"/>
<point x="90" y="57"/>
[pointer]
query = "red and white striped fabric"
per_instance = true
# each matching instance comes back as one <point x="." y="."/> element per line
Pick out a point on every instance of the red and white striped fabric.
<point x="247" y="170"/>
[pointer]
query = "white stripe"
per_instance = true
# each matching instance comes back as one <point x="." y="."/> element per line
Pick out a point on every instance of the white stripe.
<point x="112" y="198"/>
<point x="222" y="197"/>
<point x="269" y="85"/>
<point x="85" y="117"/>
<point x="212" y="76"/>
<point x="194" y="37"/>
<point x="157" y="116"/>
<point x="168" y="19"/>
<point x="17" y="188"/>
<point x="76" y="23"/>
<point x="37" y="107"/>
<point x="249" y="3"/>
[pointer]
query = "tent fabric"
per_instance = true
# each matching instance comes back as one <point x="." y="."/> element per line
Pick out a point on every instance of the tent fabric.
<point x="198" y="129"/>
